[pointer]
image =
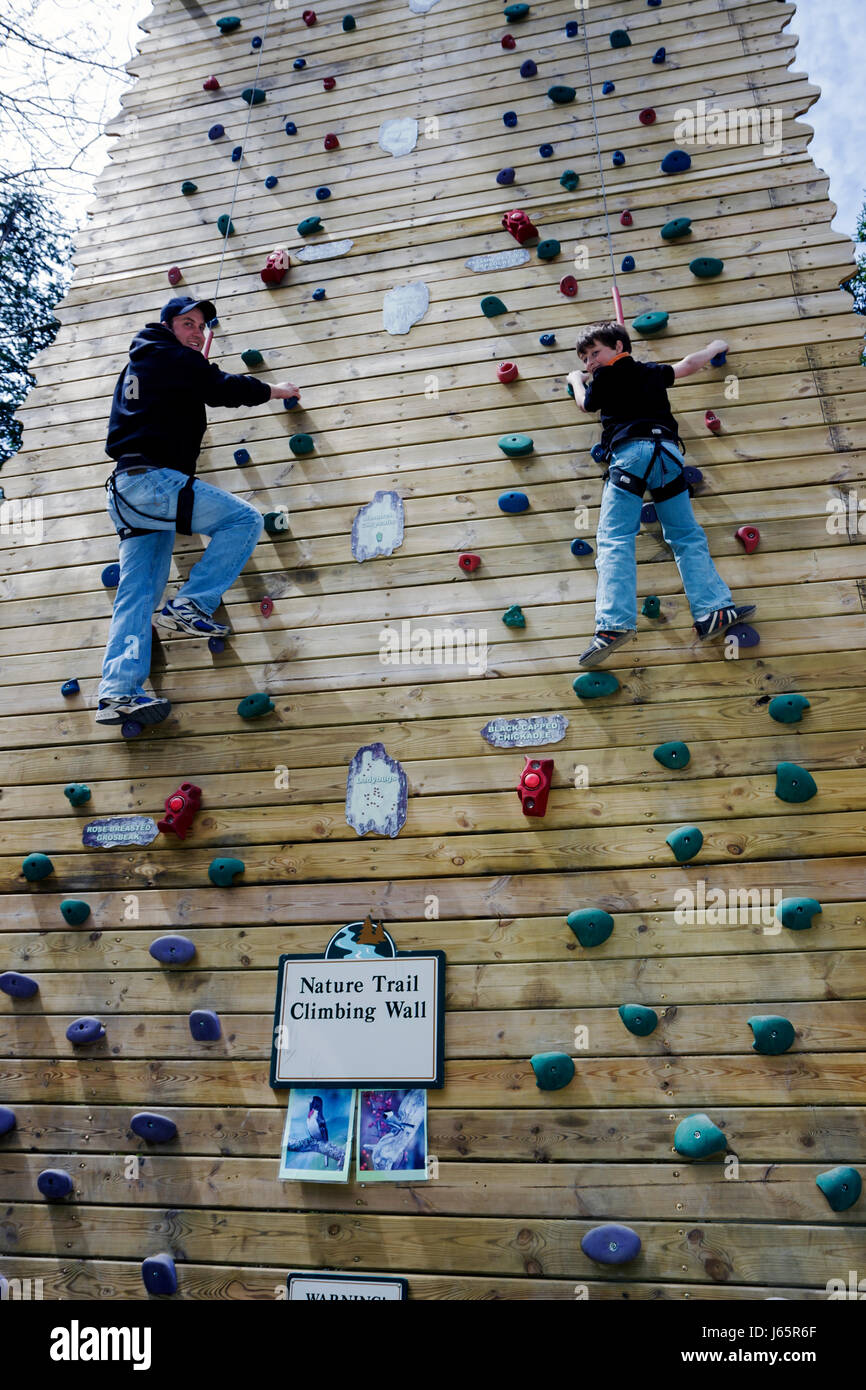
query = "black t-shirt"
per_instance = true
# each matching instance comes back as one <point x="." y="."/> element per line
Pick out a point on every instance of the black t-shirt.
<point x="630" y="392"/>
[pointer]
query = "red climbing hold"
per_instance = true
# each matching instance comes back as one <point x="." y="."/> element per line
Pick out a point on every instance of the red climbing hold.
<point x="626" y="218"/>
<point x="180" y="808"/>
<point x="329" y="83"/>
<point x="647" y="116"/>
<point x="518" y="224"/>
<point x="508" y="41"/>
<point x="749" y="537"/>
<point x="712" y="422"/>
<point x="568" y="286"/>
<point x="309" y="18"/>
<point x="276" y="268"/>
<point x="211" y="85"/>
<point x="507" y="371"/>
<point x="534" y="785"/>
<point x="174" y="276"/>
<point x="331" y="142"/>
<point x="267" y="606"/>
<point x="469" y="562"/>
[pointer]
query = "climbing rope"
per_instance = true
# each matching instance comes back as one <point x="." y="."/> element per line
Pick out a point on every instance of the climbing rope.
<point x="617" y="302"/>
<point x="209" y="337"/>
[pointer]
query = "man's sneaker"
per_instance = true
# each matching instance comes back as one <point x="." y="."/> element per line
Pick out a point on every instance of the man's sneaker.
<point x="186" y="616"/>
<point x="722" y="619"/>
<point x="144" y="708"/>
<point x="603" y="643"/>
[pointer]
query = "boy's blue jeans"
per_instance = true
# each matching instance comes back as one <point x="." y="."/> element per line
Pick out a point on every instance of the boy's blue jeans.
<point x="618" y="525"/>
<point x="145" y="561"/>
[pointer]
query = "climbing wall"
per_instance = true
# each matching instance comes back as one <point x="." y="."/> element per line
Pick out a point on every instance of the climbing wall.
<point x="521" y="1173"/>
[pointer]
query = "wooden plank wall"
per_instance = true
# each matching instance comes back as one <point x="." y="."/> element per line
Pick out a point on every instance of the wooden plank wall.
<point x="522" y="1173"/>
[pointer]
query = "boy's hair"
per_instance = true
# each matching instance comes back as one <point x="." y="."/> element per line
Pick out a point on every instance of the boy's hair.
<point x="609" y="332"/>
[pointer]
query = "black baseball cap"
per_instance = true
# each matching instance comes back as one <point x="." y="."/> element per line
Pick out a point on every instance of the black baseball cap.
<point x="181" y="303"/>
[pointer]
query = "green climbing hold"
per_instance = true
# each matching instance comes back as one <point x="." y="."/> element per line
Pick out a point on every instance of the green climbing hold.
<point x="651" y="606"/>
<point x="705" y="267"/>
<point x="74" y="912"/>
<point x="794" y="783"/>
<point x="222" y="871"/>
<point x="513" y="13"/>
<point x="253" y="96"/>
<point x="276" y="523"/>
<point x="515" y="445"/>
<point x="561" y="95"/>
<point x="569" y="179"/>
<point x="679" y="226"/>
<point x="841" y="1186"/>
<point x="553" y="1070"/>
<point x="309" y="225"/>
<point x="796" y="913"/>
<point x="301" y="444"/>
<point x="591" y="925"/>
<point x="225" y="225"/>
<point x="548" y="250"/>
<point x="685" y="842"/>
<point x="673" y="755"/>
<point x="648" y="324"/>
<point x="37" y="866"/>
<point x="252" y="358"/>
<point x="697" y="1137"/>
<point x="773" y="1034"/>
<point x="788" y="709"/>
<point x="638" y="1019"/>
<point x="188" y="186"/>
<point x="348" y="23"/>
<point x="620" y="39"/>
<point x="491" y="305"/>
<point x="513" y="616"/>
<point x="253" y="706"/>
<point x="229" y="23"/>
<point x="593" y="684"/>
<point x="76" y="793"/>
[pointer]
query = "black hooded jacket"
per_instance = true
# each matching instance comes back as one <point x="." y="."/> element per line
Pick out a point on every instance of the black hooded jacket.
<point x="159" y="402"/>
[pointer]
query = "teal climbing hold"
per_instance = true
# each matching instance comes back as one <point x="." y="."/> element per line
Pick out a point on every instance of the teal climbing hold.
<point x="223" y="872"/>
<point x="620" y="39"/>
<point x="676" y="162"/>
<point x="593" y="684"/>
<point x="514" y="616"/>
<point x="794" y="783"/>
<point x="553" y="1070"/>
<point x="788" y="709"/>
<point x="188" y="186"/>
<point x="309" y="225"/>
<point x="252" y="358"/>
<point x="591" y="925"/>
<point x="225" y="225"/>
<point x="514" y="13"/>
<point x="74" y="912"/>
<point x="773" y="1034"/>
<point x="37" y="866"/>
<point x="679" y="226"/>
<point x="705" y="267"/>
<point x="348" y="23"/>
<point x="841" y="1186"/>
<point x="253" y="96"/>
<point x="673" y="755"/>
<point x="569" y="179"/>
<point x="796" y="913"/>
<point x="254" y="706"/>
<point x="491" y="305"/>
<point x="301" y="444"/>
<point x="685" y="842"/>
<point x="648" y="324"/>
<point x="276" y="523"/>
<point x="561" y="94"/>
<point x="697" y="1137"/>
<point x="651" y="606"/>
<point x="638" y="1019"/>
<point x="516" y="445"/>
<point x="548" y="250"/>
<point x="76" y="793"/>
<point x="229" y="23"/>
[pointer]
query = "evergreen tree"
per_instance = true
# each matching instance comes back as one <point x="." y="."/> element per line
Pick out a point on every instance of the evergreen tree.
<point x="856" y="284"/>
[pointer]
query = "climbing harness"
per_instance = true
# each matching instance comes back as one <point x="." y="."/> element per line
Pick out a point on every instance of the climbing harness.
<point x="636" y="484"/>
<point x="183" y="514"/>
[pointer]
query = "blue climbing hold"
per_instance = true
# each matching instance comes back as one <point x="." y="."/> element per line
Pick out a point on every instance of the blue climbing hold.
<point x="323" y="193"/>
<point x="111" y="576"/>
<point x="172" y="950"/>
<point x="513" y="502"/>
<point x="237" y="153"/>
<point x="256" y="42"/>
<point x="598" y="453"/>
<point x="18" y="986"/>
<point x="242" y="457"/>
<point x="159" y="1275"/>
<point x="571" y="29"/>
<point x="271" y="181"/>
<point x="659" y="55"/>
<point x="529" y="68"/>
<point x="54" y="1183"/>
<point x="648" y="515"/>
<point x="216" y="132"/>
<point x="676" y="162"/>
<point x="628" y="262"/>
<point x="505" y="176"/>
<point x="70" y="688"/>
<point x="607" y="88"/>
<point x="291" y="128"/>
<point x="7" y="1120"/>
<point x="317" y="294"/>
<point x="299" y="63"/>
<point x="654" y="4"/>
<point x="216" y="645"/>
<point x="746" y="636"/>
<point x="290" y="402"/>
<point x="720" y="359"/>
<point x="618" y="159"/>
<point x="204" y="1025"/>
<point x="547" y="339"/>
<point x="579" y="547"/>
<point x="85" y="1030"/>
<point x="157" y="1128"/>
<point x="611" y="1245"/>
<point x="693" y="476"/>
<point x="510" y="119"/>
<point x="546" y="151"/>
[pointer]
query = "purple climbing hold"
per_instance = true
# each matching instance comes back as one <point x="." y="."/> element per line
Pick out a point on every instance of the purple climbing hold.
<point x="611" y="1245"/>
<point x="510" y="119"/>
<point x="505" y="176"/>
<point x="85" y="1030"/>
<point x="54" y="1183"/>
<point x="159" y="1275"/>
<point x="528" y="68"/>
<point x="216" y="132"/>
<point x="18" y="986"/>
<point x="745" y="635"/>
<point x="7" y="1120"/>
<point x="204" y="1025"/>
<point x="693" y="477"/>
<point x="158" y="1129"/>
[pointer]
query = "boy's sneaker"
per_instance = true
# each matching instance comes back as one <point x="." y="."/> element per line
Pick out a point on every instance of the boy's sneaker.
<point x="603" y="643"/>
<point x="186" y="616"/>
<point x="722" y="619"/>
<point x="145" y="708"/>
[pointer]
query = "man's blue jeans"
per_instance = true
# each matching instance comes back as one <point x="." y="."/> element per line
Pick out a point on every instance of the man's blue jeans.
<point x="145" y="561"/>
<point x="618" y="525"/>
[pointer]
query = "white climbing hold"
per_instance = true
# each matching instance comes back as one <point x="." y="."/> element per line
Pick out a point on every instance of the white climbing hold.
<point x="399" y="136"/>
<point x="404" y="306"/>
<point x="499" y="260"/>
<point x="322" y="250"/>
<point x="421" y="6"/>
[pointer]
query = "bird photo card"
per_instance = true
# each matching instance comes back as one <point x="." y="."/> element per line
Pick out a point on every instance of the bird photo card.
<point x="392" y="1136"/>
<point x="317" y="1138"/>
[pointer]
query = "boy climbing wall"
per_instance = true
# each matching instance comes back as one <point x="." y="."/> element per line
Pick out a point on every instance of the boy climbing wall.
<point x="641" y="440"/>
<point x="157" y="423"/>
